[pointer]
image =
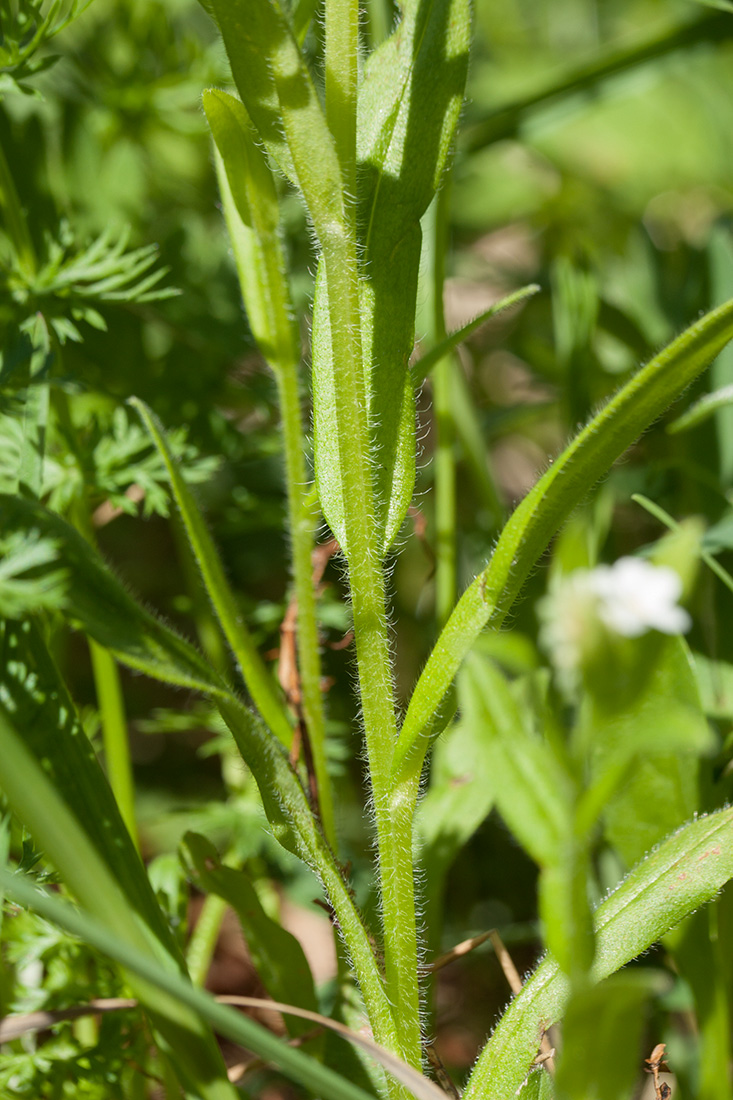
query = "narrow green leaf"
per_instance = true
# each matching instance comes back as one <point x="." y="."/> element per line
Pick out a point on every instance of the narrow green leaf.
<point x="409" y="100"/>
<point x="564" y="909"/>
<point x="282" y="102"/>
<point x="533" y="794"/>
<point x="664" y="517"/>
<point x="422" y="367"/>
<point x="686" y="871"/>
<point x="663" y="734"/>
<point x="229" y="1023"/>
<point x="538" y="517"/>
<point x="35" y="411"/>
<point x="702" y="410"/>
<point x="34" y="700"/>
<point x="277" y="956"/>
<point x="538" y="1085"/>
<point x="259" y="682"/>
<point x="715" y="684"/>
<point x="57" y="810"/>
<point x="249" y="187"/>
<point x="251" y="210"/>
<point x="459" y="798"/>
<point x="700" y="959"/>
<point x="96" y="600"/>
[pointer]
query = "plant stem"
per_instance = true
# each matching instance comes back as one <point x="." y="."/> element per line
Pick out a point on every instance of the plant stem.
<point x="368" y="598"/>
<point x="366" y="576"/>
<point x="108" y="690"/>
<point x="301" y="536"/>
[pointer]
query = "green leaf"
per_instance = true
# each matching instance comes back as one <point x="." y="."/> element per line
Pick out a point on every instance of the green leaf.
<point x="258" y="680"/>
<point x="35" y="411"/>
<point x="251" y="210"/>
<point x="602" y="1033"/>
<point x="253" y="220"/>
<point x="422" y="367"/>
<point x="31" y="578"/>
<point x="96" y="600"/>
<point x="228" y="1022"/>
<point x="664" y="517"/>
<point x="409" y="100"/>
<point x="660" y="737"/>
<point x="702" y="410"/>
<point x="277" y="956"/>
<point x="715" y="684"/>
<point x="534" y="522"/>
<point x="55" y="786"/>
<point x="686" y="871"/>
<point x="282" y="102"/>
<point x="532" y="791"/>
<point x="564" y="908"/>
<point x="537" y="1085"/>
<point x="505" y="121"/>
<point x="459" y="798"/>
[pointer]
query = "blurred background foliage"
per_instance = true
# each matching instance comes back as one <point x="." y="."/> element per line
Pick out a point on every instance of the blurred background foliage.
<point x="595" y="158"/>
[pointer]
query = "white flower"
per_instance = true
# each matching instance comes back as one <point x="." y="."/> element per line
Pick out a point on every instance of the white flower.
<point x="636" y="596"/>
<point x="628" y="598"/>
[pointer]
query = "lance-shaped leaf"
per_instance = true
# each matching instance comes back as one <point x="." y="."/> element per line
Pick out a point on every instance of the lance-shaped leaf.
<point x="539" y="516"/>
<point x="255" y="233"/>
<point x="686" y="871"/>
<point x="256" y="677"/>
<point x="96" y="599"/>
<point x="282" y="102"/>
<point x="533" y="793"/>
<point x="56" y="787"/>
<point x="276" y="954"/>
<point x="409" y="101"/>
<point x="607" y="1020"/>
<point x="250" y="205"/>
<point x="421" y="369"/>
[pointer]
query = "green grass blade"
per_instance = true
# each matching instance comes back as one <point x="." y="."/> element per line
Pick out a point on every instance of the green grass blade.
<point x="685" y="872"/>
<point x="260" y="683"/>
<point x="702" y="410"/>
<point x="548" y="504"/>
<point x="178" y="991"/>
<point x="55" y="786"/>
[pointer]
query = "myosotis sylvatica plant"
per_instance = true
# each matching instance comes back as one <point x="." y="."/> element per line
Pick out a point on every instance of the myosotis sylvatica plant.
<point x="606" y="746"/>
